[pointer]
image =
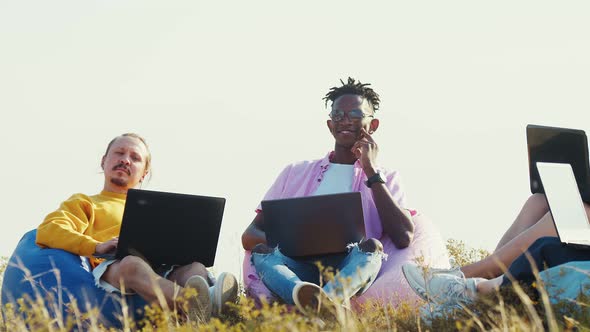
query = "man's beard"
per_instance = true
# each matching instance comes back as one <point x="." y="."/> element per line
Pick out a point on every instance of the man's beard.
<point x="119" y="182"/>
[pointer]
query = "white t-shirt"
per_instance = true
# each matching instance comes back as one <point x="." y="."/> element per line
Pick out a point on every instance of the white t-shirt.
<point x="337" y="179"/>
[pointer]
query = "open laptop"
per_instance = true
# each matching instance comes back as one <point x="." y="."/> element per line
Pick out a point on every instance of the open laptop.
<point x="565" y="204"/>
<point x="170" y="228"/>
<point x="314" y="225"/>
<point x="558" y="145"/>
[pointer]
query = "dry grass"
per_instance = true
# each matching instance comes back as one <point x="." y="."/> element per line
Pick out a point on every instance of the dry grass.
<point x="518" y="309"/>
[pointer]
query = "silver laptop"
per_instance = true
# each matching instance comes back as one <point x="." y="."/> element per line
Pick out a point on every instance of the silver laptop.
<point x="565" y="203"/>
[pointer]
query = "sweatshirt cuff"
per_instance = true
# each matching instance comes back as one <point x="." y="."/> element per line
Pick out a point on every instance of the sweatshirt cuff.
<point x="88" y="247"/>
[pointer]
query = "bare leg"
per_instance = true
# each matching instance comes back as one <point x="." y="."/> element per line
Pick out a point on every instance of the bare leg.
<point x="135" y="274"/>
<point x="491" y="266"/>
<point x="181" y="274"/>
<point x="532" y="211"/>
<point x="489" y="286"/>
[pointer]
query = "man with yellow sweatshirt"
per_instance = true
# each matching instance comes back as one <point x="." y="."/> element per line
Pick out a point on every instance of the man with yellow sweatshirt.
<point x="89" y="226"/>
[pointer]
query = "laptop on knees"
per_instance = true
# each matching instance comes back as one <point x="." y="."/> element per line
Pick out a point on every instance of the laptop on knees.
<point x="558" y="145"/>
<point x="314" y="225"/>
<point x="170" y="228"/>
<point x="565" y="204"/>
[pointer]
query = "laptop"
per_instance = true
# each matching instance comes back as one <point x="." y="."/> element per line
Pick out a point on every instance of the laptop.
<point x="314" y="225"/>
<point x="170" y="228"/>
<point x="558" y="145"/>
<point x="565" y="204"/>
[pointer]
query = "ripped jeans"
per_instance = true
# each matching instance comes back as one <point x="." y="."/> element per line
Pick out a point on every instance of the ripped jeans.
<point x="356" y="271"/>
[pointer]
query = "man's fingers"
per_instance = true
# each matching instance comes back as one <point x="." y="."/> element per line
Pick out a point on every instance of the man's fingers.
<point x="364" y="144"/>
<point x="356" y="150"/>
<point x="367" y="136"/>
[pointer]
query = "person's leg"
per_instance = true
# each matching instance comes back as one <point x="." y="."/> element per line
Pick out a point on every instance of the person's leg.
<point x="489" y="267"/>
<point x="357" y="271"/>
<point x="492" y="266"/>
<point x="531" y="212"/>
<point x="544" y="253"/>
<point x="134" y="274"/>
<point x="223" y="291"/>
<point x="280" y="273"/>
<point x="181" y="274"/>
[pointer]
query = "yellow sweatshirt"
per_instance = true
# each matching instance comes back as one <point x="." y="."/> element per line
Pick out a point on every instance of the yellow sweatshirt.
<point x="82" y="222"/>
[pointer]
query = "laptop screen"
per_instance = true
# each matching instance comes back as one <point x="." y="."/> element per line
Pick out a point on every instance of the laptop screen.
<point x="565" y="203"/>
<point x="314" y="225"/>
<point x="170" y="228"/>
<point x="558" y="145"/>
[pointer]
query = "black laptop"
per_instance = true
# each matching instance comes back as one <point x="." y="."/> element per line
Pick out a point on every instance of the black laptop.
<point x="558" y="145"/>
<point x="170" y="228"/>
<point x="314" y="225"/>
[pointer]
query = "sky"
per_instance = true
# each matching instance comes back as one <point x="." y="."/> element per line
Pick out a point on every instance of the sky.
<point x="229" y="92"/>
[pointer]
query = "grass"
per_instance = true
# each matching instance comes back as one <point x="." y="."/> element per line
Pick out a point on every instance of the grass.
<point x="518" y="309"/>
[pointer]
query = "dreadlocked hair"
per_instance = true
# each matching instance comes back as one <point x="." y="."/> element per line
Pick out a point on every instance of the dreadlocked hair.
<point x="353" y="87"/>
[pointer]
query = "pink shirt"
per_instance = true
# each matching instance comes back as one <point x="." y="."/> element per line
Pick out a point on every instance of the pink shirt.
<point x="303" y="178"/>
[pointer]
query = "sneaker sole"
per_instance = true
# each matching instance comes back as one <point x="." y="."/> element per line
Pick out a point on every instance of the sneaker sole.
<point x="306" y="298"/>
<point x="226" y="291"/>
<point x="200" y="304"/>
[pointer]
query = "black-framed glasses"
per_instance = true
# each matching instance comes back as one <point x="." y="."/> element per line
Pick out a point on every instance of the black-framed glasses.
<point x="358" y="115"/>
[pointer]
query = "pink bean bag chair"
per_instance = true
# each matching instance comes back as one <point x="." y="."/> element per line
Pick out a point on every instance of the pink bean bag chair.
<point x="390" y="287"/>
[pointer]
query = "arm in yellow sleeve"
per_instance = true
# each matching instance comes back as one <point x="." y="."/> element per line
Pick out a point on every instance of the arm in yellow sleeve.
<point x="65" y="227"/>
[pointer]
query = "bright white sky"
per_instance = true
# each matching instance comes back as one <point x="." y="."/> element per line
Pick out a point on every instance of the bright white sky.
<point x="228" y="92"/>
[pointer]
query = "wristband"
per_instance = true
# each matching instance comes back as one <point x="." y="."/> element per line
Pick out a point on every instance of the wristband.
<point x="376" y="178"/>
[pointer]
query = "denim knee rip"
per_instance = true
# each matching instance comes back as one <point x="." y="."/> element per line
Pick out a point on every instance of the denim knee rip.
<point x="339" y="287"/>
<point x="355" y="246"/>
<point x="274" y="252"/>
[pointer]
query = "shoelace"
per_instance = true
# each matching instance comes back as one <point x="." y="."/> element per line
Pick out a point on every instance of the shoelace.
<point x="453" y="263"/>
<point x="457" y="292"/>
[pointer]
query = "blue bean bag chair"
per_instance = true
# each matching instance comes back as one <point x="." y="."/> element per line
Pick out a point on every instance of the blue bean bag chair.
<point x="58" y="277"/>
<point x="567" y="281"/>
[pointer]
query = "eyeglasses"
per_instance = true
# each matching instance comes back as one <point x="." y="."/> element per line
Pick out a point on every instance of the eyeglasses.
<point x="354" y="115"/>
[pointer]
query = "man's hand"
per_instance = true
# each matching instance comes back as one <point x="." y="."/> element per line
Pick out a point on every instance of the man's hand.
<point x="365" y="150"/>
<point x="107" y="247"/>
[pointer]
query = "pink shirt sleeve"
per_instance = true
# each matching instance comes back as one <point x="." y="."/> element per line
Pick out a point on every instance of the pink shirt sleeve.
<point x="395" y="188"/>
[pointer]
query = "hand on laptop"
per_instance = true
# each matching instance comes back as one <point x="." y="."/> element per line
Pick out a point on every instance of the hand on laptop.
<point x="365" y="150"/>
<point x="106" y="248"/>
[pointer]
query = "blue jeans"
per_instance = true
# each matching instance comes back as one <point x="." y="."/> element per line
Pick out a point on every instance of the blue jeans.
<point x="546" y="252"/>
<point x="357" y="271"/>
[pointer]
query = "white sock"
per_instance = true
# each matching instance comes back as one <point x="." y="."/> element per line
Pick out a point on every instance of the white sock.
<point x="472" y="286"/>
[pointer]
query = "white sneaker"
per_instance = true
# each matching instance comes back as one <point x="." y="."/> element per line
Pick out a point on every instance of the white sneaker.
<point x="447" y="289"/>
<point x="308" y="297"/>
<point x="418" y="277"/>
<point x="199" y="305"/>
<point x="224" y="291"/>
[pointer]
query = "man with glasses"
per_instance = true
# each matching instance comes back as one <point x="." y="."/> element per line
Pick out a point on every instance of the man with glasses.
<point x="351" y="167"/>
